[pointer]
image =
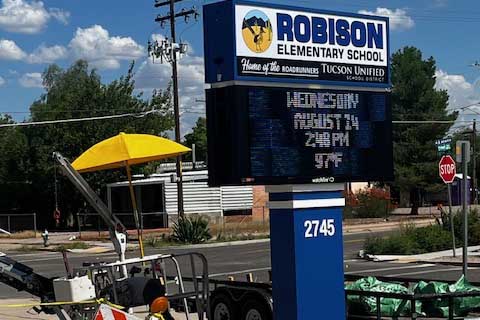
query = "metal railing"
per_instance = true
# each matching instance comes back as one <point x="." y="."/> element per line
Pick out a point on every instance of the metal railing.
<point x="15" y="222"/>
<point x="412" y="298"/>
<point x="165" y="267"/>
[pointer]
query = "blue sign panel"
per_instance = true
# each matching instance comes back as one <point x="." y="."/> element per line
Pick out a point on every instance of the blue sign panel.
<point x="261" y="135"/>
<point x="306" y="244"/>
<point x="265" y="42"/>
<point x="295" y="104"/>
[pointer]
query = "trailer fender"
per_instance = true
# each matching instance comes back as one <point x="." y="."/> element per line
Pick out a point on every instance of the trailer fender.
<point x="241" y="295"/>
<point x="258" y="295"/>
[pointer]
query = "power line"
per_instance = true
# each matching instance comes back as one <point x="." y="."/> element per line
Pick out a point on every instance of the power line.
<point x="37" y="123"/>
<point x="61" y="111"/>
<point x="476" y="104"/>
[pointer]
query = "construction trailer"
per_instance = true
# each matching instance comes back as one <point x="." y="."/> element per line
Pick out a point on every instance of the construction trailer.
<point x="157" y="198"/>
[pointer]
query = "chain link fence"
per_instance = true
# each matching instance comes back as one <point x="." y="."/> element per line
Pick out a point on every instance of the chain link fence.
<point x="17" y="222"/>
<point x="94" y="222"/>
<point x="252" y="221"/>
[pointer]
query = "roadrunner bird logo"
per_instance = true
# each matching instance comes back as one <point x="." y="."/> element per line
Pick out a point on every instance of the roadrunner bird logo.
<point x="257" y="31"/>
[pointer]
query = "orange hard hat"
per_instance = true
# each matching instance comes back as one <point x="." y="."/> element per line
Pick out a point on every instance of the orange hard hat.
<point x="159" y="305"/>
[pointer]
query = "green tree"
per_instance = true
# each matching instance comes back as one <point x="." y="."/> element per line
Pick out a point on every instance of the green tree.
<point x="13" y="166"/>
<point x="414" y="97"/>
<point x="198" y="136"/>
<point x="78" y="92"/>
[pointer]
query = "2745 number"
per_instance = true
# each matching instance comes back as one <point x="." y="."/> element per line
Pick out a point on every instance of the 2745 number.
<point x="318" y="228"/>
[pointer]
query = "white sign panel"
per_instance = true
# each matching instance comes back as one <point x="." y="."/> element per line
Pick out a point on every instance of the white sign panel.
<point x="272" y="42"/>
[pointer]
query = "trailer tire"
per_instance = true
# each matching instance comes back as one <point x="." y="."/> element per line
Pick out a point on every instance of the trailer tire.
<point x="223" y="308"/>
<point x="256" y="310"/>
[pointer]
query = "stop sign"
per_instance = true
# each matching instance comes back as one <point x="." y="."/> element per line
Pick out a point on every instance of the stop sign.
<point x="447" y="169"/>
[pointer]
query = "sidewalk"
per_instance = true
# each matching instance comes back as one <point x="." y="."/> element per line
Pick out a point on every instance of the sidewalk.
<point x="386" y="225"/>
<point x="56" y="239"/>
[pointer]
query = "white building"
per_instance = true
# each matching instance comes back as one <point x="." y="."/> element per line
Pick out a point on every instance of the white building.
<point x="157" y="198"/>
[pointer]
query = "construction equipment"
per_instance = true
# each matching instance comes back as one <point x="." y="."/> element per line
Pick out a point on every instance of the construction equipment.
<point x="118" y="287"/>
<point x="116" y="229"/>
<point x="77" y="295"/>
<point x="23" y="278"/>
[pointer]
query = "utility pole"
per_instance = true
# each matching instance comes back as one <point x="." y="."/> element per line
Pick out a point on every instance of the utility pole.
<point x="168" y="50"/>
<point x="465" y="209"/>
<point x="474" y="163"/>
<point x="462" y="151"/>
<point x="450" y="214"/>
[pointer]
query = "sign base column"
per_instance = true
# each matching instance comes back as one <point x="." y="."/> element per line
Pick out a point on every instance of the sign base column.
<point x="307" y="251"/>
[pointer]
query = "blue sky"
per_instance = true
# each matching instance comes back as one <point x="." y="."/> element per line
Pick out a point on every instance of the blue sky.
<point x="110" y="34"/>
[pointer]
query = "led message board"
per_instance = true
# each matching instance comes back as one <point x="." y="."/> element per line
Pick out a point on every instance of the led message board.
<point x="261" y="135"/>
<point x="266" y="42"/>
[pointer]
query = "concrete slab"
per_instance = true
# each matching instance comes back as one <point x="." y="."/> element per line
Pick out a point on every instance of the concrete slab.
<point x="429" y="257"/>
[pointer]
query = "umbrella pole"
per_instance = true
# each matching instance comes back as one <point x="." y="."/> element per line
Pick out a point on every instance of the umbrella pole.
<point x="135" y="210"/>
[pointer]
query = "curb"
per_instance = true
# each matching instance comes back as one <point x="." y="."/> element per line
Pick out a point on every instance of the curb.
<point x="450" y="263"/>
<point x="214" y="245"/>
<point x="176" y="247"/>
<point x="424" y="257"/>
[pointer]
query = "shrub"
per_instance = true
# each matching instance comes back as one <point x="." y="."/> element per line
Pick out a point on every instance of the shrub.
<point x="351" y="202"/>
<point x="431" y="238"/>
<point x="410" y="240"/>
<point x="473" y="227"/>
<point x="226" y="237"/>
<point x="395" y="244"/>
<point x="368" y="203"/>
<point x="192" y="229"/>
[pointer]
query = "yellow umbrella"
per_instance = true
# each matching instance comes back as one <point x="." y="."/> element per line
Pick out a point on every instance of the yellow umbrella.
<point x="125" y="150"/>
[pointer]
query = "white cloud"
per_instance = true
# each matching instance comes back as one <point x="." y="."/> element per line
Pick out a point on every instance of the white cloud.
<point x="10" y="51"/>
<point x="44" y="54"/>
<point x="31" y="80"/>
<point x="399" y="20"/>
<point x="95" y="45"/>
<point x="60" y="15"/>
<point x="2" y="81"/>
<point x="191" y="85"/>
<point x="22" y="16"/>
<point x="461" y="93"/>
<point x="440" y="3"/>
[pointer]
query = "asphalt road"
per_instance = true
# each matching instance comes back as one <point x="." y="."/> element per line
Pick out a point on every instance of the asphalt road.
<point x="241" y="259"/>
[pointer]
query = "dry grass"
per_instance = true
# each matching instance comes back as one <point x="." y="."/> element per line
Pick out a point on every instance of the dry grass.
<point x="222" y="229"/>
<point x="28" y="234"/>
<point x="26" y="248"/>
<point x="241" y="227"/>
<point x="95" y="236"/>
<point x="72" y="245"/>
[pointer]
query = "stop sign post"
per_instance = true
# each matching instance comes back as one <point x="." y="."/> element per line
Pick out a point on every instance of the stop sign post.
<point x="447" y="169"/>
